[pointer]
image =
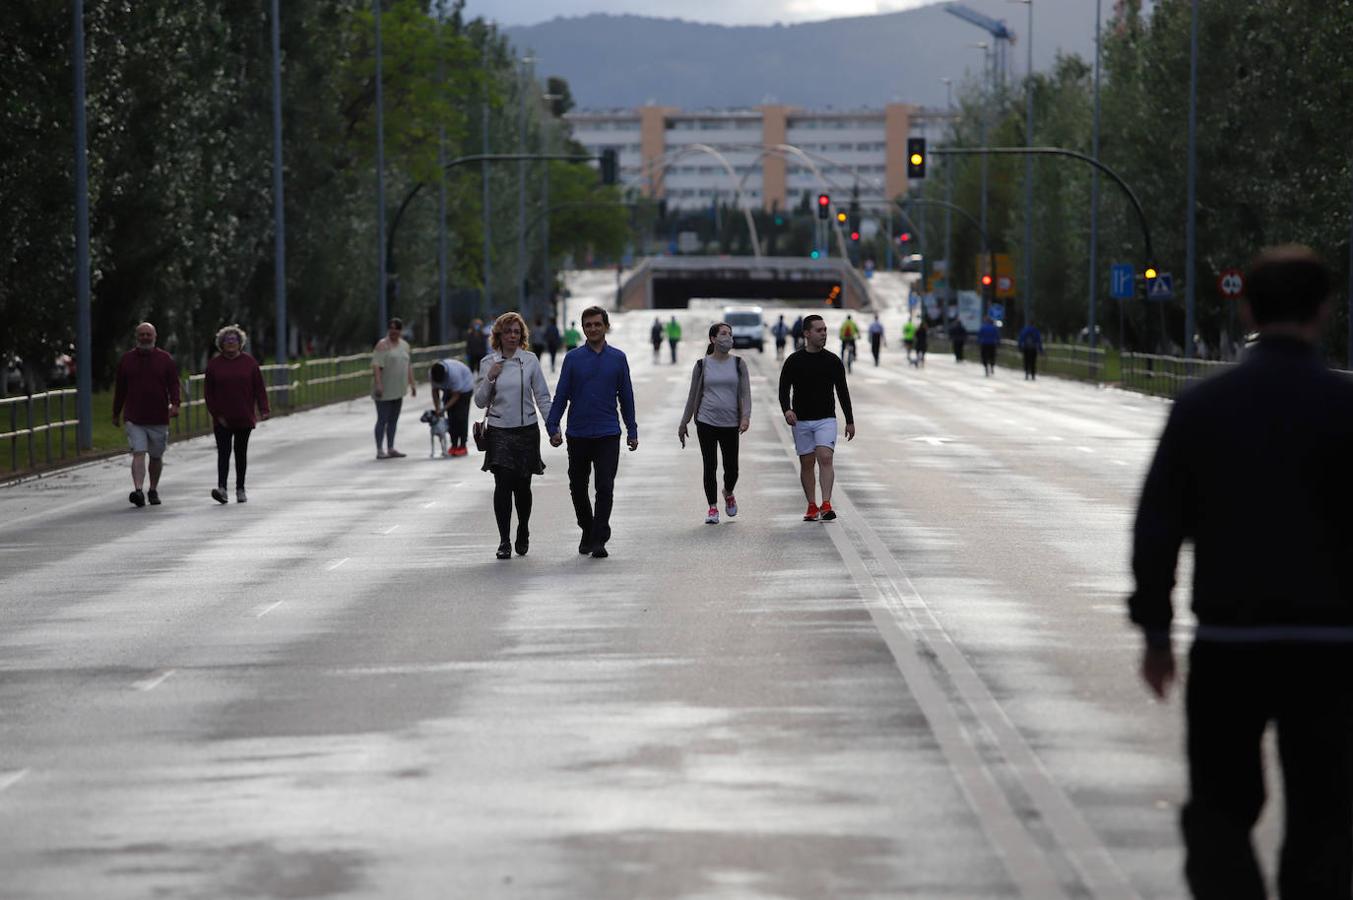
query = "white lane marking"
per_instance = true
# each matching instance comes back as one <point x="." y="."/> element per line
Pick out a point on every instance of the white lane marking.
<point x="390" y="530"/>
<point x="150" y="684"/>
<point x="430" y="504"/>
<point x="9" y="779"/>
<point x="339" y="563"/>
<point x="1117" y="462"/>
<point x="269" y="609"/>
<point x="1085" y="450"/>
<point x="1053" y="437"/>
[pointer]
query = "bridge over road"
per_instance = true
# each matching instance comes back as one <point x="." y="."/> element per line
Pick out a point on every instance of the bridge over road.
<point x="671" y="282"/>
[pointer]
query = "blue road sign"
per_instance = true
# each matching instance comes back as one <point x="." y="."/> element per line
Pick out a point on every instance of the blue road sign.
<point x="1122" y="281"/>
<point x="1162" y="287"/>
<point x="996" y="311"/>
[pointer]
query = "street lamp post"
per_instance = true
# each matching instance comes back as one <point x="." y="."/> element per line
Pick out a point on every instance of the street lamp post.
<point x="1094" y="190"/>
<point x="279" y="216"/>
<point x="380" y="177"/>
<point x="84" y="363"/>
<point x="487" y="206"/>
<point x="982" y="124"/>
<point x="948" y="195"/>
<point x="521" y="190"/>
<point x="1029" y="168"/>
<point x="1191" y="227"/>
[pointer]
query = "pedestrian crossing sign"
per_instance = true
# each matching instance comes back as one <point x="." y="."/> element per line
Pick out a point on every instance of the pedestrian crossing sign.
<point x="1161" y="287"/>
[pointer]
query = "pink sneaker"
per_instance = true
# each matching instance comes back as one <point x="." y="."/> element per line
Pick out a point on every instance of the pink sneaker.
<point x="730" y="505"/>
<point x="712" y="517"/>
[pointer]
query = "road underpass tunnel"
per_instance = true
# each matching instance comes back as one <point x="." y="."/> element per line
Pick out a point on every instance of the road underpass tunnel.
<point x="677" y="293"/>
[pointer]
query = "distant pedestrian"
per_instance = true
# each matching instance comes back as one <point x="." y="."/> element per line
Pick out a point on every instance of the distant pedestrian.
<point x="656" y="335"/>
<point x="781" y="333"/>
<point x="876" y="338"/>
<point x="1031" y="346"/>
<point x="391" y="372"/>
<point x="922" y="340"/>
<point x="1272" y="591"/>
<point x="476" y="344"/>
<point x="796" y="332"/>
<point x="988" y="343"/>
<point x="720" y="401"/>
<point x="572" y="337"/>
<point x="452" y="385"/>
<point x="595" y="378"/>
<point x="958" y="336"/>
<point x="512" y="388"/>
<point x="553" y="338"/>
<point x="807" y="382"/>
<point x="909" y="338"/>
<point x="146" y="388"/>
<point x="673" y="336"/>
<point x="236" y="399"/>
<point x="849" y="333"/>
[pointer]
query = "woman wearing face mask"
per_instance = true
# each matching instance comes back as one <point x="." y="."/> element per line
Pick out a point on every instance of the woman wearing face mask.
<point x="512" y="388"/>
<point x="720" y="401"/>
<point x="236" y="399"/>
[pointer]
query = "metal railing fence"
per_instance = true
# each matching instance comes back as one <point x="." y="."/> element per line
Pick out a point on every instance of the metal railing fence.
<point x="41" y="427"/>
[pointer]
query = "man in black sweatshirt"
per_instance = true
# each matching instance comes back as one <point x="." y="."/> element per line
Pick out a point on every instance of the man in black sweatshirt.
<point x="806" y="383"/>
<point x="1255" y="467"/>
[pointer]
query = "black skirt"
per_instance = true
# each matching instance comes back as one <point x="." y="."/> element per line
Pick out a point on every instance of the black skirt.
<point x="514" y="449"/>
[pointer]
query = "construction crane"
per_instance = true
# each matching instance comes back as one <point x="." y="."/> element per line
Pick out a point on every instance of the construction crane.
<point x="1003" y="36"/>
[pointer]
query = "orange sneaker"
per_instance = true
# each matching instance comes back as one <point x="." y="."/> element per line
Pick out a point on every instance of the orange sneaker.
<point x="827" y="512"/>
<point x="811" y="515"/>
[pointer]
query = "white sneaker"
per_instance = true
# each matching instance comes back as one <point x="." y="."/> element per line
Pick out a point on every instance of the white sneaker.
<point x="730" y="505"/>
<point x="241" y="496"/>
<point x="712" y="517"/>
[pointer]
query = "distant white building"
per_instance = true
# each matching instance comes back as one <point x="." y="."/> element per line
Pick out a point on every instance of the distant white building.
<point x="655" y="145"/>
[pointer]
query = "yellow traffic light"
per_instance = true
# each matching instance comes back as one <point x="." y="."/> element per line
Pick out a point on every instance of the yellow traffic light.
<point x="841" y="217"/>
<point x="1150" y="272"/>
<point x="917" y="159"/>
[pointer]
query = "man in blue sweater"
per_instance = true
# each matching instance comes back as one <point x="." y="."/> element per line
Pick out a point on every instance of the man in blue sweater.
<point x="595" y="377"/>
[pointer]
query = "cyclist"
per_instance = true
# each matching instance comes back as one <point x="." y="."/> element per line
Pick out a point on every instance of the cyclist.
<point x="849" y="333"/>
<point x="909" y="338"/>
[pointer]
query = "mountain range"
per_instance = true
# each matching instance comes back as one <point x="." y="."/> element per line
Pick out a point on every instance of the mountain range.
<point x="622" y="61"/>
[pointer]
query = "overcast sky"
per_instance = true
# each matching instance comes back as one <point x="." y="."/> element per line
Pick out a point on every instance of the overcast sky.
<point x="721" y="12"/>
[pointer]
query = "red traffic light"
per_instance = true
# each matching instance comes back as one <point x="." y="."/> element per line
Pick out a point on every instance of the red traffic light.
<point x="986" y="281"/>
<point x="904" y="236"/>
<point x="854" y="235"/>
<point x="823" y="200"/>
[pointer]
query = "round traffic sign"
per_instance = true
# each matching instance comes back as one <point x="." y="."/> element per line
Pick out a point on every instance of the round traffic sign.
<point x="1231" y="283"/>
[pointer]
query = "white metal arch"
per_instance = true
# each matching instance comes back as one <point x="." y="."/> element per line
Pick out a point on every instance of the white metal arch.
<point x="660" y="164"/>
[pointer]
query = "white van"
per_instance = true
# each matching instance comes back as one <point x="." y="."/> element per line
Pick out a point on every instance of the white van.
<point x="749" y="329"/>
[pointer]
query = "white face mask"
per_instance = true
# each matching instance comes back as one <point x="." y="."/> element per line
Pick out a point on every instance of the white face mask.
<point x="724" y="343"/>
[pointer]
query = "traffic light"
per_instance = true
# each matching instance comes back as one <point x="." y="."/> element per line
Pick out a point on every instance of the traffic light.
<point x="854" y="235"/>
<point x="824" y="204"/>
<point x="609" y="166"/>
<point x="986" y="281"/>
<point x="841" y="217"/>
<point x="915" y="157"/>
<point x="814" y="255"/>
<point x="904" y="237"/>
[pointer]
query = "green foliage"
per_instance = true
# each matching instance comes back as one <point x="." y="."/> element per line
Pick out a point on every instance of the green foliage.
<point x="180" y="156"/>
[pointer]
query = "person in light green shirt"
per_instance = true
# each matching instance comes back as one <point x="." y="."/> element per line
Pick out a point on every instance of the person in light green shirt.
<point x="909" y="337"/>
<point x="572" y="337"/>
<point x="673" y="336"/>
<point x="390" y="372"/>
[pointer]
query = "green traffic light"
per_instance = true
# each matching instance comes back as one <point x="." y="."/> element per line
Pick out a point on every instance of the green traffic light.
<point x="814" y="254"/>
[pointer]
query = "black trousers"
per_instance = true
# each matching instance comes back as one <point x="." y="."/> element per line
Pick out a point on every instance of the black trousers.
<point x="511" y="487"/>
<point x="227" y="439"/>
<point x="457" y="416"/>
<point x="875" y="345"/>
<point x="1030" y="362"/>
<point x="713" y="441"/>
<point x="387" y="420"/>
<point x="958" y="350"/>
<point x="1234" y="691"/>
<point x="586" y="457"/>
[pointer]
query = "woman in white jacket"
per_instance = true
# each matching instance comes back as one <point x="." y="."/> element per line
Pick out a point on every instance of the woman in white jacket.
<point x="511" y="386"/>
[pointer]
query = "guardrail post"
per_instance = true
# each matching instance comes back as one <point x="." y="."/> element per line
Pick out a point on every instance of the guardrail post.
<point x="61" y="411"/>
<point x="47" y="420"/>
<point x="32" y="460"/>
<point x="14" y="437"/>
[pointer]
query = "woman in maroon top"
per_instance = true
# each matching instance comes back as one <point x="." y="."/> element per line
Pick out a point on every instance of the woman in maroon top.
<point x="234" y="387"/>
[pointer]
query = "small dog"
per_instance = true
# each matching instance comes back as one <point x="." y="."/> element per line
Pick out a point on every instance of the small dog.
<point x="438" y="428"/>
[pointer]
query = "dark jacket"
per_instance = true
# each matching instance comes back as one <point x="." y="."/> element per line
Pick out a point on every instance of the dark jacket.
<point x="147" y="384"/>
<point x="1256" y="468"/>
<point x="233" y="388"/>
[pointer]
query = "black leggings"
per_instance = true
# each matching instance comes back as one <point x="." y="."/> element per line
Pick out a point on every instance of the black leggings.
<point x="714" y="440"/>
<point x="225" y="436"/>
<point x="507" y="485"/>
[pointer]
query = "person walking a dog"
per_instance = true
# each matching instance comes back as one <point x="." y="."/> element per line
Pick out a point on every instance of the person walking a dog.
<point x="452" y="385"/>
<point x="512" y="388"/>
<point x="594" y="379"/>
<point x="236" y="399"/>
<point x="147" y="390"/>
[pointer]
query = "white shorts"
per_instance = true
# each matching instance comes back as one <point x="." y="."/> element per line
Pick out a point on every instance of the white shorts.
<point x="814" y="433"/>
<point x="150" y="439"/>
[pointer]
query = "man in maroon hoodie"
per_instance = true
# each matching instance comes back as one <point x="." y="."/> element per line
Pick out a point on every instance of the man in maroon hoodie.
<point x="147" y="390"/>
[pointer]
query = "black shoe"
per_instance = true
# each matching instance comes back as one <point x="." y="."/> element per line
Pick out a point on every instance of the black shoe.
<point x="585" y="546"/>
<point x="523" y="543"/>
<point x="137" y="498"/>
<point x="219" y="495"/>
<point x="504" y="550"/>
<point x="599" y="552"/>
<point x="153" y="496"/>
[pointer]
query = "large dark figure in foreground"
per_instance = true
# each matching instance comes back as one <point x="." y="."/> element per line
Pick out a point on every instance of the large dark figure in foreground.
<point x="1254" y="468"/>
